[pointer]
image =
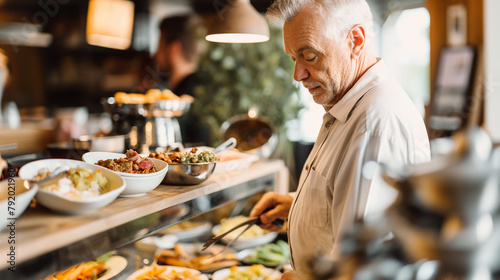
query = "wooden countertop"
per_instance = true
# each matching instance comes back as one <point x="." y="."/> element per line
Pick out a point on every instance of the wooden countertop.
<point x="40" y="230"/>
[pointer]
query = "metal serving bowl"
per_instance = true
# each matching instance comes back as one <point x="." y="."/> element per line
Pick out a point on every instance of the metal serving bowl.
<point x="188" y="173"/>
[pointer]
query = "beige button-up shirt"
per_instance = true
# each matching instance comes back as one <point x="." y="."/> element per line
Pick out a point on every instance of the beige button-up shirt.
<point x="374" y="121"/>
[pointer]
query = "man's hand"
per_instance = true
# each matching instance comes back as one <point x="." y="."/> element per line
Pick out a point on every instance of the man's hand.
<point x="277" y="207"/>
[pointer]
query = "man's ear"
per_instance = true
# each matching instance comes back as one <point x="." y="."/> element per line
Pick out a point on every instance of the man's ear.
<point x="357" y="40"/>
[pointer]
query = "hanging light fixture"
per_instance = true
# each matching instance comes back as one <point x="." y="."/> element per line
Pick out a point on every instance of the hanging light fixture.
<point x="238" y="22"/>
<point x="110" y="23"/>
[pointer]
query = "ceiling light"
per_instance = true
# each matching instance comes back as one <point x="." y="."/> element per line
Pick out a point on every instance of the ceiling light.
<point x="237" y="22"/>
<point x="110" y="23"/>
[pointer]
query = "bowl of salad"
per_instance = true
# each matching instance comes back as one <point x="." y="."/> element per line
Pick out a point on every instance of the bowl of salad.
<point x="187" y="168"/>
<point x="84" y="188"/>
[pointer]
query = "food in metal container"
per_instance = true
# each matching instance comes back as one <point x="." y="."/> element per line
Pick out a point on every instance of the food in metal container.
<point x="133" y="163"/>
<point x="151" y="96"/>
<point x="186" y="157"/>
<point x="181" y="255"/>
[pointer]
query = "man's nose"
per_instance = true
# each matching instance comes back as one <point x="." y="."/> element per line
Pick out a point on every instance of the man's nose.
<point x="300" y="72"/>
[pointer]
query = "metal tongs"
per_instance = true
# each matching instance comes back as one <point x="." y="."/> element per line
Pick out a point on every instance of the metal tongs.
<point x="249" y="223"/>
<point x="61" y="170"/>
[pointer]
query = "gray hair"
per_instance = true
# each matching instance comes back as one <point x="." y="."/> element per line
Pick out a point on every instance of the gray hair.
<point x="341" y="15"/>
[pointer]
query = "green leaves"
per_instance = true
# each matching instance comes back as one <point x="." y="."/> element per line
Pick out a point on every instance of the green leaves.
<point x="238" y="76"/>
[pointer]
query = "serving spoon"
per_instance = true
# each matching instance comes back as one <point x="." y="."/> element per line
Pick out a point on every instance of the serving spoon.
<point x="228" y="144"/>
<point x="61" y="170"/>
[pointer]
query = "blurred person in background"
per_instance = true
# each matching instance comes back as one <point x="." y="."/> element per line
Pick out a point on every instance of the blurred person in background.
<point x="180" y="47"/>
<point x="368" y="117"/>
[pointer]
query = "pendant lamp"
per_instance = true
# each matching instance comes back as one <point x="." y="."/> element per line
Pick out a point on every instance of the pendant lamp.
<point x="110" y="23"/>
<point x="237" y="22"/>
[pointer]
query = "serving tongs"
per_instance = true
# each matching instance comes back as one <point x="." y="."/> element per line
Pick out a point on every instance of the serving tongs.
<point x="58" y="172"/>
<point x="248" y="223"/>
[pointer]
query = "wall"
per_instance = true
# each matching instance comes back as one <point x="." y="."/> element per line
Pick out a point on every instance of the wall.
<point x="437" y="11"/>
<point x="438" y="36"/>
<point x="492" y="68"/>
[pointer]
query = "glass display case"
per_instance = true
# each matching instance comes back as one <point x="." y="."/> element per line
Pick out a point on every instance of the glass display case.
<point x="47" y="242"/>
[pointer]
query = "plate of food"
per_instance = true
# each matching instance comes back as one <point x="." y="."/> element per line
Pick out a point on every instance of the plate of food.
<point x="188" y="230"/>
<point x="253" y="237"/>
<point x="105" y="267"/>
<point x="190" y="255"/>
<point x="166" y="272"/>
<point x="269" y="255"/>
<point x="252" y="272"/>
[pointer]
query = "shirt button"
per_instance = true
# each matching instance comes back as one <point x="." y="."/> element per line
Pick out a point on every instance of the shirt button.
<point x="328" y="124"/>
<point x="314" y="168"/>
<point x="307" y="167"/>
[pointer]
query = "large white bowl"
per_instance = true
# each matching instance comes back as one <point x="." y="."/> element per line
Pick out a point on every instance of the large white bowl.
<point x="137" y="184"/>
<point x="20" y="195"/>
<point x="72" y="206"/>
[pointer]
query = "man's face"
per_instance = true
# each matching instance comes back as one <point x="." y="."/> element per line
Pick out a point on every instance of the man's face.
<point x="321" y="64"/>
<point x="161" y="56"/>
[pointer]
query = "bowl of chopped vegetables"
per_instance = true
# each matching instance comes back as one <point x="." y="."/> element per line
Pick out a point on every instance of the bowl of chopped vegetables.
<point x="187" y="168"/>
<point x="85" y="188"/>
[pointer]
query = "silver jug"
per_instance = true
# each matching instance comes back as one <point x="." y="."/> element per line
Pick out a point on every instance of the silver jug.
<point x="149" y="127"/>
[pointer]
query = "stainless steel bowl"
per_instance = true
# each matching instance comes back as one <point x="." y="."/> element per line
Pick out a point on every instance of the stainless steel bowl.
<point x="188" y="173"/>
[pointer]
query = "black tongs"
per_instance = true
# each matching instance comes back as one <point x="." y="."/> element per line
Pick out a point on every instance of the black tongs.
<point x="249" y="223"/>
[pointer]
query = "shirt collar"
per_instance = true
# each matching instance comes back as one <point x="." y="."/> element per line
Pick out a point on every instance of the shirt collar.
<point x="374" y="75"/>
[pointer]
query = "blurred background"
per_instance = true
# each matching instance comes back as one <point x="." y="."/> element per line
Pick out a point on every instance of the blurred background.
<point x="56" y="74"/>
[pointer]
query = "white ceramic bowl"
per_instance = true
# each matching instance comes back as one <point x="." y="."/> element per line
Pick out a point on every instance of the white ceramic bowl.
<point x="72" y="206"/>
<point x="20" y="195"/>
<point x="246" y="242"/>
<point x="137" y="184"/>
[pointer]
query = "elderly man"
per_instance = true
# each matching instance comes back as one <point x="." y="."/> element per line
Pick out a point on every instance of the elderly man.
<point x="368" y="117"/>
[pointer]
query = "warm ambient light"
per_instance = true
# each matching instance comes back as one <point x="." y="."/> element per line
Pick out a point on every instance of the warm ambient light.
<point x="238" y="22"/>
<point x="110" y="23"/>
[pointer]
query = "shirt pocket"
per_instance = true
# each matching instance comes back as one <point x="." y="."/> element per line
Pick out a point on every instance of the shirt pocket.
<point x="315" y="200"/>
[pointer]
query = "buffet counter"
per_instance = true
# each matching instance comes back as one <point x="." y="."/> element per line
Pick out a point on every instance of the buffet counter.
<point x="46" y="242"/>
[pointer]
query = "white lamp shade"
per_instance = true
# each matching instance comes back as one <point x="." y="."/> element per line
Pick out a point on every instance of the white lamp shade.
<point x="110" y="23"/>
<point x="238" y="22"/>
